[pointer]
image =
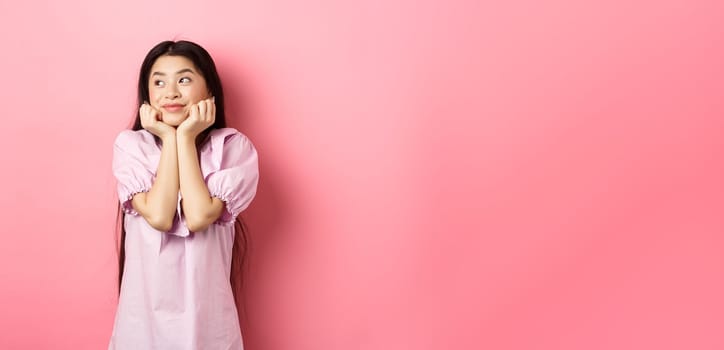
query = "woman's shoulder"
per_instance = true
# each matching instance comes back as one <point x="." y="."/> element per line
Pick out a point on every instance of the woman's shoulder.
<point x="226" y="134"/>
<point x="128" y="135"/>
<point x="227" y="144"/>
<point x="135" y="139"/>
<point x="227" y="137"/>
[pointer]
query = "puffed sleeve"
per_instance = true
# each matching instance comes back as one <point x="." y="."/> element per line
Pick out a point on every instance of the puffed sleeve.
<point x="237" y="176"/>
<point x="132" y="167"/>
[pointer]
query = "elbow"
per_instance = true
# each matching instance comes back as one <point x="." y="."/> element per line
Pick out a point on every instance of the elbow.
<point x="197" y="224"/>
<point x="160" y="224"/>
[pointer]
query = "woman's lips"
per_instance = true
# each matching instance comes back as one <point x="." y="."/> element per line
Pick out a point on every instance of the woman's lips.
<point x="173" y="108"/>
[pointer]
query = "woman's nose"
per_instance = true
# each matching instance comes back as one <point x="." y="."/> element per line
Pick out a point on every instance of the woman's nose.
<point x="172" y="92"/>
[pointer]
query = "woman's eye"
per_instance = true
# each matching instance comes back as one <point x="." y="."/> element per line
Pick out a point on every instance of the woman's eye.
<point x="185" y="80"/>
<point x="158" y="83"/>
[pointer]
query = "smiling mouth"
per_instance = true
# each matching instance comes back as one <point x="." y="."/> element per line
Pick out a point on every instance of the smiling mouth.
<point x="173" y="108"/>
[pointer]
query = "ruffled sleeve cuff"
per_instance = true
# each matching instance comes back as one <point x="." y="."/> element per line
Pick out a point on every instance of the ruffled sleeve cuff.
<point x="126" y="195"/>
<point x="235" y="180"/>
<point x="131" y="167"/>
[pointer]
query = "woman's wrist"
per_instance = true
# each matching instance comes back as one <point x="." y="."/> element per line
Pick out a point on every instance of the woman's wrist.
<point x="182" y="135"/>
<point x="168" y="137"/>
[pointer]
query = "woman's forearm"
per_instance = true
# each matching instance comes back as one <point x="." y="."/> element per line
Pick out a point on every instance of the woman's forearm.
<point x="158" y="205"/>
<point x="199" y="208"/>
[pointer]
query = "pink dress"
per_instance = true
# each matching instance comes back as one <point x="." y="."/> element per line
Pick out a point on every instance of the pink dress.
<point x="176" y="293"/>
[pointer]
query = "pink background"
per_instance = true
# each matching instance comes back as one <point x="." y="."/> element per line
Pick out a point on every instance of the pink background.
<point x="434" y="175"/>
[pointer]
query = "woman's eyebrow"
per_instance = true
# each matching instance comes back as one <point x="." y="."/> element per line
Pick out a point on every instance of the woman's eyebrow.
<point x="185" y="70"/>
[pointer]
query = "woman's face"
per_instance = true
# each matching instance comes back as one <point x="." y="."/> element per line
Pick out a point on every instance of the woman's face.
<point x="174" y="85"/>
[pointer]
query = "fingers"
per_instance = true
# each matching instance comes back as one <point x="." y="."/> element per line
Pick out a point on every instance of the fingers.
<point x="152" y="120"/>
<point x="156" y="113"/>
<point x="206" y="111"/>
<point x="202" y="110"/>
<point x="213" y="110"/>
<point x="210" y="108"/>
<point x="143" y="112"/>
<point x="202" y="115"/>
<point x="194" y="111"/>
<point x="149" y="114"/>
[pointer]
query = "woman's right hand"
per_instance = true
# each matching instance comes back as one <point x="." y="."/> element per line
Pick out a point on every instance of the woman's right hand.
<point x="151" y="121"/>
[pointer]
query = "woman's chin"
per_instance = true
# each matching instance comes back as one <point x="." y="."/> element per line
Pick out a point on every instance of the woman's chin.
<point x="173" y="120"/>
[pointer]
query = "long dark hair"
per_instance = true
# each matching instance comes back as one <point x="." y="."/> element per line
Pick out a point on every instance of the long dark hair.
<point x="205" y="64"/>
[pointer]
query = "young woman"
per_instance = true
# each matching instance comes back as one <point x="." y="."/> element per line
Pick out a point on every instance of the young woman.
<point x="183" y="178"/>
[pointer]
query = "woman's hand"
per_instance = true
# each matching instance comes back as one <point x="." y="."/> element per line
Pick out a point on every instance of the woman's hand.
<point x="201" y="116"/>
<point x="151" y="121"/>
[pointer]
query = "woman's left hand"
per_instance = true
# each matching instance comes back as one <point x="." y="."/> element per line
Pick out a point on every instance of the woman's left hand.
<point x="201" y="116"/>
